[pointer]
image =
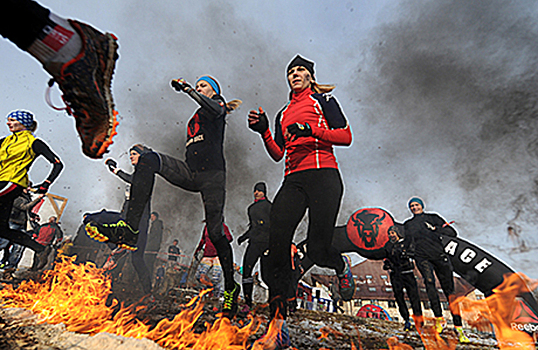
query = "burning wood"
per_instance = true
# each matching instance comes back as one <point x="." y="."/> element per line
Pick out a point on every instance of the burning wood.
<point x="73" y="297"/>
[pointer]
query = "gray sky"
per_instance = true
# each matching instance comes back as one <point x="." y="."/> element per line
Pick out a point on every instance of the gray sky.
<point x="440" y="95"/>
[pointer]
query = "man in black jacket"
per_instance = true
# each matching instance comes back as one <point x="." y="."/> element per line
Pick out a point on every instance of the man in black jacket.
<point x="258" y="236"/>
<point x="427" y="231"/>
<point x="155" y="238"/>
<point x="399" y="252"/>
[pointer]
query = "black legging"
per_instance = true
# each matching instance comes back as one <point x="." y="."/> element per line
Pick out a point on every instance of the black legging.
<point x="211" y="185"/>
<point x="400" y="281"/>
<point x="137" y="257"/>
<point x="320" y="191"/>
<point x="444" y="272"/>
<point x="253" y="253"/>
<point x="22" y="20"/>
<point x="8" y="193"/>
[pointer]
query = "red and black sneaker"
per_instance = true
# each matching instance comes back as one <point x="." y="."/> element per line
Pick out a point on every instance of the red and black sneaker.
<point x="85" y="82"/>
<point x="346" y="282"/>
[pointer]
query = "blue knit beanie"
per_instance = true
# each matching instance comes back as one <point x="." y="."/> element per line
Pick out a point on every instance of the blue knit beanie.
<point x="416" y="199"/>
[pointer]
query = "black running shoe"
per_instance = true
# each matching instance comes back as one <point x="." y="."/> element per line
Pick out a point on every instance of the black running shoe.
<point x="119" y="233"/>
<point x="85" y="82"/>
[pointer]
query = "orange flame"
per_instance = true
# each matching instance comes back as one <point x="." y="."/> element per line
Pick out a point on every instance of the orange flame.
<point x="394" y="344"/>
<point x="498" y="308"/>
<point x="433" y="340"/>
<point x="76" y="296"/>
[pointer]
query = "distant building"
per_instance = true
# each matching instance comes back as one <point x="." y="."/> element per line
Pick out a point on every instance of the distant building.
<point x="373" y="287"/>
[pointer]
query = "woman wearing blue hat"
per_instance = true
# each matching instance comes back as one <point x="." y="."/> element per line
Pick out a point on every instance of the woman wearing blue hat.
<point x="17" y="153"/>
<point x="427" y="231"/>
<point x="203" y="171"/>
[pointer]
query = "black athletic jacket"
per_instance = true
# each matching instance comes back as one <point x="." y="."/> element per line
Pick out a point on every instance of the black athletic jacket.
<point x="427" y="231"/>
<point x="258" y="216"/>
<point x="205" y="134"/>
<point x="399" y="255"/>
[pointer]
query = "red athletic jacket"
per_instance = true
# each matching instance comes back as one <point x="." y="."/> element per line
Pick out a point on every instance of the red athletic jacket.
<point x="329" y="127"/>
<point x="209" y="249"/>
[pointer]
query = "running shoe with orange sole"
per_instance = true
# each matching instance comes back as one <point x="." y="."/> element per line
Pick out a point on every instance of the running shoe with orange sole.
<point x="85" y="82"/>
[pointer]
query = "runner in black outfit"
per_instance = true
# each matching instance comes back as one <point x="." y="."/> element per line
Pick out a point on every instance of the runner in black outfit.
<point x="257" y="235"/>
<point x="427" y="231"/>
<point x="399" y="253"/>
<point x="203" y="171"/>
<point x="137" y="256"/>
<point x="17" y="153"/>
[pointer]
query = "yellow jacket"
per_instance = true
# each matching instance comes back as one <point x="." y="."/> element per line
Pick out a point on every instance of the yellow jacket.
<point x="16" y="156"/>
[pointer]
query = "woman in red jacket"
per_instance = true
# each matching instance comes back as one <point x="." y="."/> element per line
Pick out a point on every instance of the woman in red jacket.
<point x="306" y="130"/>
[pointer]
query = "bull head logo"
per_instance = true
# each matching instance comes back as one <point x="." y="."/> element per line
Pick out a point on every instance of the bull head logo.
<point x="367" y="225"/>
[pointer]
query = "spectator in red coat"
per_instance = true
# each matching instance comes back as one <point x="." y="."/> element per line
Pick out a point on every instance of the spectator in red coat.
<point x="210" y="264"/>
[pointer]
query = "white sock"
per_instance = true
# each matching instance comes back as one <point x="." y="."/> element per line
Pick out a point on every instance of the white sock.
<point x="57" y="44"/>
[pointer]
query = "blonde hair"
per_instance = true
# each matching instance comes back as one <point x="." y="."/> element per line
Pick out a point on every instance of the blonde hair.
<point x="317" y="88"/>
<point x="232" y="105"/>
<point x="321" y="88"/>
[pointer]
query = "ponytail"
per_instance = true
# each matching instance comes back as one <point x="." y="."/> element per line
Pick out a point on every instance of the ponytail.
<point x="33" y="127"/>
<point x="322" y="88"/>
<point x="232" y="105"/>
<point x="317" y="88"/>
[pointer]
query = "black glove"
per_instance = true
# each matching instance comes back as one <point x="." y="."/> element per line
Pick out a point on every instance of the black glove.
<point x="111" y="164"/>
<point x="181" y="85"/>
<point x="387" y="265"/>
<point x="300" y="130"/>
<point x="43" y="187"/>
<point x="263" y="123"/>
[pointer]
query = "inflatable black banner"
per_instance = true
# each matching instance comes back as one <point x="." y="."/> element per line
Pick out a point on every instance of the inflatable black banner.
<point x="366" y="234"/>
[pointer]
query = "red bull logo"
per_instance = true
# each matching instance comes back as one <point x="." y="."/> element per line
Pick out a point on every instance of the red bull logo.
<point x="367" y="228"/>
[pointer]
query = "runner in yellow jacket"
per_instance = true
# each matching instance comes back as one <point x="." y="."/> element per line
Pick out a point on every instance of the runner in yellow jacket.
<point x="17" y="153"/>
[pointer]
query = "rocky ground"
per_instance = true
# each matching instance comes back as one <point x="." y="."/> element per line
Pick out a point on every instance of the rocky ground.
<point x="308" y="329"/>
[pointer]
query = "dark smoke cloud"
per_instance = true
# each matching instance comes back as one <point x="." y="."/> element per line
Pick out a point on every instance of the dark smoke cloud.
<point x="249" y="65"/>
<point x="450" y="94"/>
<point x="441" y="98"/>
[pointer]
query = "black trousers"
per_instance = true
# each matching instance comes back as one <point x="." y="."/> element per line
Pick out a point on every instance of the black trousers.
<point x="442" y="268"/>
<point x="408" y="281"/>
<point x="211" y="185"/>
<point x="320" y="191"/>
<point x="137" y="257"/>
<point x="22" y="20"/>
<point x="253" y="253"/>
<point x="8" y="193"/>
